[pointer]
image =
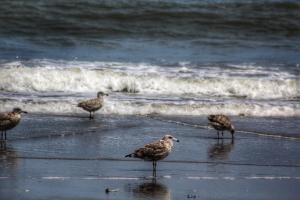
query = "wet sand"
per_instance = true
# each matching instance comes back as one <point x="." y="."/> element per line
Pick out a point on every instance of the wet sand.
<point x="71" y="157"/>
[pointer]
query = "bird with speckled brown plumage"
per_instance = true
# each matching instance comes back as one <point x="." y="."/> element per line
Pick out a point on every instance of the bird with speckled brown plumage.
<point x="221" y="123"/>
<point x="155" y="151"/>
<point x="9" y="120"/>
<point x="93" y="105"/>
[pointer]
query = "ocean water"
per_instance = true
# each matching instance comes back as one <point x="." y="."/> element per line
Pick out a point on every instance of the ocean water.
<point x="166" y="57"/>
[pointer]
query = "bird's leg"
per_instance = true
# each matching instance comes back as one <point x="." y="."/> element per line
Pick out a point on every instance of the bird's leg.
<point x="90" y="115"/>
<point x="218" y="134"/>
<point x="1" y="135"/>
<point x="4" y="135"/>
<point x="154" y="168"/>
<point x="222" y="133"/>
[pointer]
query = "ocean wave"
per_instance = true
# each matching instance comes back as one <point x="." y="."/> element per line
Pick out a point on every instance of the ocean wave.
<point x="93" y="19"/>
<point x="251" y="83"/>
<point x="142" y="107"/>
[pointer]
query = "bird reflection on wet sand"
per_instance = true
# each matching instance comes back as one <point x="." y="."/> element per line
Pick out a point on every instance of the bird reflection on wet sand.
<point x="150" y="190"/>
<point x="220" y="150"/>
<point x="8" y="160"/>
<point x="2" y="145"/>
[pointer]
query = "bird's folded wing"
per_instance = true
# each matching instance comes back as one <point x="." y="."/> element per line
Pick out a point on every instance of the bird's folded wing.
<point x="215" y="124"/>
<point x="222" y="120"/>
<point x="89" y="103"/>
<point x="4" y="119"/>
<point x="155" y="147"/>
<point x="150" y="150"/>
<point x="4" y="122"/>
<point x="85" y="103"/>
<point x="4" y="116"/>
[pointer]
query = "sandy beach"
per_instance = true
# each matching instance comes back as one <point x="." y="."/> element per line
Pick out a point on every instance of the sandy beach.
<point x="71" y="157"/>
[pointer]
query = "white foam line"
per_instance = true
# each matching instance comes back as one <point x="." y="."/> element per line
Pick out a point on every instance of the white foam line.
<point x="4" y="177"/>
<point x="203" y="178"/>
<point x="248" y="178"/>
<point x="119" y="178"/>
<point x="90" y="178"/>
<point x="229" y="178"/>
<point x="55" y="178"/>
<point x="169" y="177"/>
<point x="270" y="135"/>
<point x="271" y="177"/>
<point x="239" y="131"/>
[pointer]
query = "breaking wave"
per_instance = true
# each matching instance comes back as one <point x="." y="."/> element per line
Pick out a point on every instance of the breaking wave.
<point x="52" y="86"/>
<point x="148" y="79"/>
<point x="141" y="107"/>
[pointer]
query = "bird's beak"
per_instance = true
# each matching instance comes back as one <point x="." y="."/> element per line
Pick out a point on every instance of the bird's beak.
<point x="24" y="112"/>
<point x="106" y="94"/>
<point x="175" y="139"/>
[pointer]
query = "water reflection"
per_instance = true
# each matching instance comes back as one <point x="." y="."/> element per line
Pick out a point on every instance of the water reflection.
<point x="8" y="164"/>
<point x="150" y="190"/>
<point x="2" y="145"/>
<point x="8" y="169"/>
<point x="220" y="150"/>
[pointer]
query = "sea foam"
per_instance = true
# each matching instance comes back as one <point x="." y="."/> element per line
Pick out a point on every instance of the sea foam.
<point x="44" y="86"/>
<point x="147" y="79"/>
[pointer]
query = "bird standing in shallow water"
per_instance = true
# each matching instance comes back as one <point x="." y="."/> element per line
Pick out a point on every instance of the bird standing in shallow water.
<point x="9" y="120"/>
<point x="93" y="105"/>
<point x="155" y="151"/>
<point x="221" y="123"/>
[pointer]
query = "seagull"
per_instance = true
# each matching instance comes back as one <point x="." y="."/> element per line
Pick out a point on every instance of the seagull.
<point x="9" y="120"/>
<point x="155" y="151"/>
<point x="93" y="105"/>
<point x="221" y="123"/>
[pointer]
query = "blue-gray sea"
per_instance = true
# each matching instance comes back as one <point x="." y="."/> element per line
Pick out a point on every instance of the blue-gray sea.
<point x="187" y="57"/>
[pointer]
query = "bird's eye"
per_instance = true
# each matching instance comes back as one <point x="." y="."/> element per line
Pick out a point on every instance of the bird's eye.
<point x="170" y="137"/>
